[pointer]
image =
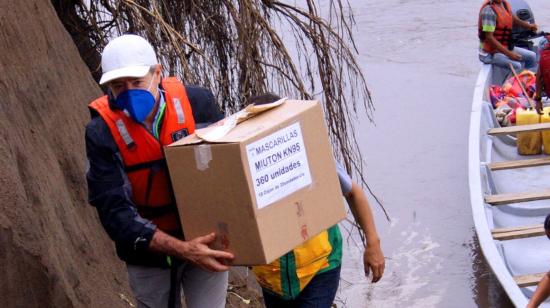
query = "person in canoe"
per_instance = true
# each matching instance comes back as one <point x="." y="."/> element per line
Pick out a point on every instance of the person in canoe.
<point x="495" y="23"/>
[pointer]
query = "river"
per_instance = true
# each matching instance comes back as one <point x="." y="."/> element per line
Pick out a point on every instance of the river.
<point x="420" y="60"/>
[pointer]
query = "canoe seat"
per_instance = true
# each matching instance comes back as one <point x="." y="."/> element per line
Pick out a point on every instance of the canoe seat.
<point x="528" y="280"/>
<point x="501" y="199"/>
<point x="518" y="129"/>
<point x="522" y="163"/>
<point x="503" y="234"/>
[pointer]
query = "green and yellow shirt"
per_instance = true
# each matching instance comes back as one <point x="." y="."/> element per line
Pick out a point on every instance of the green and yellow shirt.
<point x="290" y="274"/>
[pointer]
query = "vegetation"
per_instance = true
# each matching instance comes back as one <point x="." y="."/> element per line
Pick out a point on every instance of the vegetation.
<point x="241" y="48"/>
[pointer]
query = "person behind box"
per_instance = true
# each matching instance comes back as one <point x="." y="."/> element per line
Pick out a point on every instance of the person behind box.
<point x="543" y="288"/>
<point x="543" y="75"/>
<point x="128" y="179"/>
<point x="495" y="23"/>
<point x="309" y="275"/>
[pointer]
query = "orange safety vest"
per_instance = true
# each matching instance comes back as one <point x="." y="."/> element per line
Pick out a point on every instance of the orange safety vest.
<point x="143" y="154"/>
<point x="503" y="30"/>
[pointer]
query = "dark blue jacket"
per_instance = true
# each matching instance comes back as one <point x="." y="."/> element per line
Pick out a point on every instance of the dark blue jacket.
<point x="109" y="190"/>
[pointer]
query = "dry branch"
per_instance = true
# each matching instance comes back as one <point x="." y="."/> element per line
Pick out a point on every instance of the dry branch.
<point x="241" y="48"/>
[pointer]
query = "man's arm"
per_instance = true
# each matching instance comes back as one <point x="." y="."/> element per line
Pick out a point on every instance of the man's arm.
<point x="109" y="192"/>
<point x="524" y="24"/>
<point x="541" y="293"/>
<point x="373" y="257"/>
<point x="538" y="91"/>
<point x="490" y="38"/>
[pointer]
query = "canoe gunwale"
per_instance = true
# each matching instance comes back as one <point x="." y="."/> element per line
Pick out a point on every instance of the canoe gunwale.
<point x="475" y="165"/>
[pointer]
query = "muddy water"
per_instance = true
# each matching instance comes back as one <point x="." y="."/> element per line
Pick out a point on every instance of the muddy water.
<point x="420" y="58"/>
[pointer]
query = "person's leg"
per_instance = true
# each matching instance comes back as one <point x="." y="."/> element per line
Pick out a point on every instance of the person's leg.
<point x="273" y="301"/>
<point x="202" y="288"/>
<point x="320" y="291"/>
<point x="501" y="60"/>
<point x="151" y="286"/>
<point x="528" y="57"/>
<point x="486" y="58"/>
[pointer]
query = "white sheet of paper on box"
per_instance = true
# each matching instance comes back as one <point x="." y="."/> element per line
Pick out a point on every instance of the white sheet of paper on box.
<point x="278" y="165"/>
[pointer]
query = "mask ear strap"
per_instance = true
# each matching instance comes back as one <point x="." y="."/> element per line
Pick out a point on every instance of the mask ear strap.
<point x="151" y="83"/>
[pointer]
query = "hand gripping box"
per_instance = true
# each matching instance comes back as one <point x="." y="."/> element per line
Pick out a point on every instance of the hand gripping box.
<point x="265" y="183"/>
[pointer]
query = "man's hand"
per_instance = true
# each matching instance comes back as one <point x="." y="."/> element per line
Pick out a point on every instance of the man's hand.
<point x="195" y="250"/>
<point x="538" y="105"/>
<point x="198" y="252"/>
<point x="524" y="24"/>
<point x="514" y="56"/>
<point x="373" y="260"/>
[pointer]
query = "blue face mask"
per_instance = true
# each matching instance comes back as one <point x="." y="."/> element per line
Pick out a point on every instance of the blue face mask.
<point x="138" y="103"/>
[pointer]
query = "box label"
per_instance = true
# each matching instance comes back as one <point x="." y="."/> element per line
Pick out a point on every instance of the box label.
<point x="278" y="165"/>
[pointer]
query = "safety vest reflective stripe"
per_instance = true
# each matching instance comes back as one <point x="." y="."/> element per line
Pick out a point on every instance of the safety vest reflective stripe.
<point x="179" y="110"/>
<point x="123" y="131"/>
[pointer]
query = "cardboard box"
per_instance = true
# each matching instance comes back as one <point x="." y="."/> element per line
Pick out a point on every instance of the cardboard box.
<point x="264" y="187"/>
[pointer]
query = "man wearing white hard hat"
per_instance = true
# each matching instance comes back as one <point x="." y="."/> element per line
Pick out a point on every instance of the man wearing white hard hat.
<point x="128" y="179"/>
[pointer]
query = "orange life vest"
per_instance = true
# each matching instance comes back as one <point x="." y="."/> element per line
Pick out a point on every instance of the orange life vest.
<point x="143" y="154"/>
<point x="503" y="30"/>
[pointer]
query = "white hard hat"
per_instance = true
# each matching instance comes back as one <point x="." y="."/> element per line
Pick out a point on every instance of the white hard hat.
<point x="128" y="55"/>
